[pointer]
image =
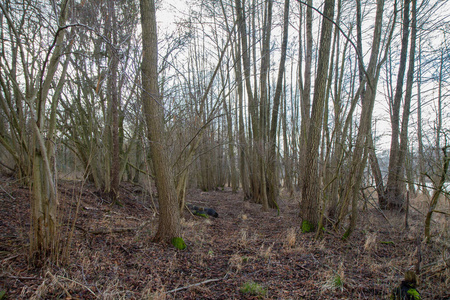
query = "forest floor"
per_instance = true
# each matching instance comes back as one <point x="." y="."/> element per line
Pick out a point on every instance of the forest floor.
<point x="245" y="253"/>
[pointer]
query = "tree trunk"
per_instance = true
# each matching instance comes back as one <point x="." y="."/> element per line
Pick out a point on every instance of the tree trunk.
<point x="360" y="152"/>
<point x="311" y="190"/>
<point x="437" y="192"/>
<point x="421" y="155"/>
<point x="403" y="148"/>
<point x="114" y="106"/>
<point x="305" y="98"/>
<point x="169" y="219"/>
<point x="44" y="202"/>
<point x="272" y="157"/>
<point x="395" y="186"/>
<point x="242" y="140"/>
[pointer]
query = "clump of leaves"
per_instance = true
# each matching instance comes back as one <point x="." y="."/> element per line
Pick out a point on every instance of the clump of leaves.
<point x="179" y="243"/>
<point x="254" y="289"/>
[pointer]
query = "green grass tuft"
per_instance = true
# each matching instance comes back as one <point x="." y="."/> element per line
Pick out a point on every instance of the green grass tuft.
<point x="254" y="289"/>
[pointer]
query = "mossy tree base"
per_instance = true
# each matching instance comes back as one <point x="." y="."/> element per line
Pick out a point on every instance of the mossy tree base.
<point x="307" y="226"/>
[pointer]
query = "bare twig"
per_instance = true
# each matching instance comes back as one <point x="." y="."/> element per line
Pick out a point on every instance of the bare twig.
<point x="9" y="258"/>
<point x="112" y="230"/>
<point x="19" y="277"/>
<point x="197" y="284"/>
<point x="69" y="296"/>
<point x="86" y="287"/>
<point x="7" y="193"/>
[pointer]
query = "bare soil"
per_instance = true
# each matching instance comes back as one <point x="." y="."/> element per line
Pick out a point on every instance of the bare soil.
<point x="112" y="255"/>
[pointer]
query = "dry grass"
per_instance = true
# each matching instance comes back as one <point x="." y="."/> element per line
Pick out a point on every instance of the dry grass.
<point x="371" y="242"/>
<point x="235" y="262"/>
<point x="243" y="237"/>
<point x="266" y="252"/>
<point x="291" y="237"/>
<point x="335" y="279"/>
<point x="149" y="294"/>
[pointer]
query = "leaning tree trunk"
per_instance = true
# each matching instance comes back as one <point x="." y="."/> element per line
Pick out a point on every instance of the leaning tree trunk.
<point x="169" y="218"/>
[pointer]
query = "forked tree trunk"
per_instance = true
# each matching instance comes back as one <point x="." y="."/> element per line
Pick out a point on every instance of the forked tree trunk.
<point x="309" y="204"/>
<point x="44" y="203"/>
<point x="360" y="153"/>
<point x="395" y="186"/>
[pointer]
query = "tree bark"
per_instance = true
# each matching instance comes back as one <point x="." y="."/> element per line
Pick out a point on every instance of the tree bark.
<point x="169" y="219"/>
<point x="437" y="192"/>
<point x="305" y="98"/>
<point x="395" y="186"/>
<point x="311" y="190"/>
<point x="44" y="202"/>
<point x="272" y="155"/>
<point x="360" y="152"/>
<point x="114" y="106"/>
<point x="419" y="125"/>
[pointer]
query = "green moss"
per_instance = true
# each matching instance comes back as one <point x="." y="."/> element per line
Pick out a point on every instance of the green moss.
<point x="2" y="295"/>
<point x="387" y="243"/>
<point x="254" y="289"/>
<point x="414" y="294"/>
<point x="307" y="226"/>
<point x="179" y="243"/>
<point x="204" y="215"/>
